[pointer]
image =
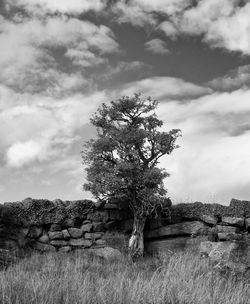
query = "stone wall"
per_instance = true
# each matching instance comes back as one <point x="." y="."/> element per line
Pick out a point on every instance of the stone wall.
<point x="191" y="224"/>
<point x="64" y="226"/>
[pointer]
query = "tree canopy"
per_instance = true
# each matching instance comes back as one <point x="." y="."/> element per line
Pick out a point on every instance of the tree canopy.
<point x="122" y="160"/>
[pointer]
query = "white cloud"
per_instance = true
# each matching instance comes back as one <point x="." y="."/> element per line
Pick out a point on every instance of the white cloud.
<point x="169" y="7"/>
<point x="22" y="153"/>
<point x="76" y="7"/>
<point x="29" y="51"/>
<point x="40" y="128"/>
<point x="223" y="23"/>
<point x="234" y="79"/>
<point x="214" y="153"/>
<point x="133" y="14"/>
<point x="157" y="46"/>
<point x="165" y="88"/>
<point x="169" y="29"/>
<point x="144" y="12"/>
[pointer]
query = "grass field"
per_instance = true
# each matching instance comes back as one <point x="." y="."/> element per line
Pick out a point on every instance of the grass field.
<point x="78" y="279"/>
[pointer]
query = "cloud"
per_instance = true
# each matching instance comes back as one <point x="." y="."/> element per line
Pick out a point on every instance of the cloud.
<point x="30" y="51"/>
<point x="144" y="12"/>
<point x="132" y="13"/>
<point x="169" y="29"/>
<point x="123" y="67"/>
<point x="165" y="88"/>
<point x="223" y="24"/>
<point x="22" y="153"/>
<point x="234" y="79"/>
<point x="157" y="46"/>
<point x="214" y="147"/>
<point x="40" y="128"/>
<point x="75" y="7"/>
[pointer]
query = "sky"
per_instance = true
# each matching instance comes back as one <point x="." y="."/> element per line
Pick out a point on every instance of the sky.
<point x="60" y="59"/>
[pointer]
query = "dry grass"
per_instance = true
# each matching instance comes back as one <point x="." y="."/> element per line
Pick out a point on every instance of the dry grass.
<point x="77" y="279"/>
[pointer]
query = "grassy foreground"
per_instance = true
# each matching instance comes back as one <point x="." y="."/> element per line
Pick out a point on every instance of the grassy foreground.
<point x="78" y="279"/>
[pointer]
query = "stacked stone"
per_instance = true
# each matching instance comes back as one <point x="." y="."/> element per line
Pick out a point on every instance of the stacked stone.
<point x="199" y="221"/>
<point x="65" y="239"/>
<point x="59" y="226"/>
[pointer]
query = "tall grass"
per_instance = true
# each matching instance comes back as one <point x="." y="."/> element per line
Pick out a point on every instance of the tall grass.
<point x="78" y="279"/>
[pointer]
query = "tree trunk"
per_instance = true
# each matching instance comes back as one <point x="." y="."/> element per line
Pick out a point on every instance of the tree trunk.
<point x="136" y="242"/>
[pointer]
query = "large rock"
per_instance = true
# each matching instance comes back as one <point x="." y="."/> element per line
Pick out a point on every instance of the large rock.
<point x="226" y="229"/>
<point x="86" y="227"/>
<point x="80" y="243"/>
<point x="234" y="221"/>
<point x="75" y="233"/>
<point x="100" y="242"/>
<point x="180" y="229"/>
<point x="209" y="219"/>
<point x="66" y="234"/>
<point x="240" y="207"/>
<point x="173" y="245"/>
<point x="44" y="238"/>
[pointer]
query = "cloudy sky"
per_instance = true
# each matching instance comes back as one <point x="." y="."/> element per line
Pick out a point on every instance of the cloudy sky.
<point x="59" y="59"/>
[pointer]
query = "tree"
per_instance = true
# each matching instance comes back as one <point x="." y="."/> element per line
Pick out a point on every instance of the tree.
<point x="122" y="160"/>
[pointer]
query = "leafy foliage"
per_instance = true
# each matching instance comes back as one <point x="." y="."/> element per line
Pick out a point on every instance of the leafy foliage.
<point x="122" y="160"/>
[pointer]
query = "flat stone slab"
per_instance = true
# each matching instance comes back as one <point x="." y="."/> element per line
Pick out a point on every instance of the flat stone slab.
<point x="209" y="219"/>
<point x="93" y="236"/>
<point x="174" y="244"/>
<point x="80" y="243"/>
<point x="226" y="229"/>
<point x="180" y="229"/>
<point x="234" y="221"/>
<point x="58" y="243"/>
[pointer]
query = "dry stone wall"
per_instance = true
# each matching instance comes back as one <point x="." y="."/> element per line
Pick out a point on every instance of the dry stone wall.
<point x="64" y="226"/>
<point x="191" y="224"/>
